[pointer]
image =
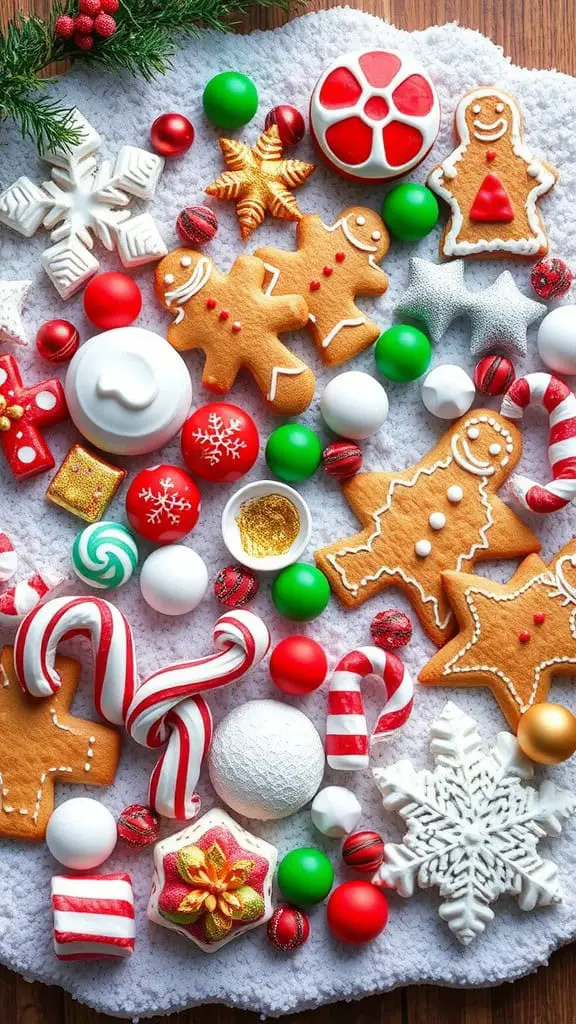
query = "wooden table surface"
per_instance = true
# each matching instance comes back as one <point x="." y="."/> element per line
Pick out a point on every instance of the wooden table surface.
<point x="534" y="33"/>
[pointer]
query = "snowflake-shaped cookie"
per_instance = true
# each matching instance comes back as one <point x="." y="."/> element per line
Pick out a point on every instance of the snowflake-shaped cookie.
<point x="218" y="440"/>
<point x="473" y="826"/>
<point x="83" y="199"/>
<point x="165" y="502"/>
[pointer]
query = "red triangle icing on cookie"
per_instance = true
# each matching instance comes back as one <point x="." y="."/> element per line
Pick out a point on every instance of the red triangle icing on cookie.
<point x="492" y="203"/>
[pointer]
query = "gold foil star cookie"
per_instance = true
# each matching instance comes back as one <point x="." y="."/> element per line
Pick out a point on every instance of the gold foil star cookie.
<point x="259" y="179"/>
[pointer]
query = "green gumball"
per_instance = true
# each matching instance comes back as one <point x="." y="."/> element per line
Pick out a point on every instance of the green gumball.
<point x="305" y="876"/>
<point x="300" y="592"/>
<point x="230" y="100"/>
<point x="410" y="211"/>
<point x="293" y="452"/>
<point x="403" y="353"/>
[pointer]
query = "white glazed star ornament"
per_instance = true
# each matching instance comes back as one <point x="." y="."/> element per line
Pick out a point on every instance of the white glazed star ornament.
<point x="473" y="826"/>
<point x="12" y="297"/>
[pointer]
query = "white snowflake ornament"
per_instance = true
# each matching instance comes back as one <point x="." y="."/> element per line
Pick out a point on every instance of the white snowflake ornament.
<point x="12" y="297"/>
<point x="473" y="826"/>
<point x="83" y="199"/>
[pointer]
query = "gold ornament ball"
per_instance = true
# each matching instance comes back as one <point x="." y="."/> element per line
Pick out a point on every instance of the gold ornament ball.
<point x="547" y="733"/>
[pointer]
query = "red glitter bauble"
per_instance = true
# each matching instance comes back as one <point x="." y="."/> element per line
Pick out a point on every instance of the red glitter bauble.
<point x="342" y="459"/>
<point x="171" y="134"/>
<point x="112" y="300"/>
<point x="197" y="225"/>
<point x="357" y="912"/>
<point x="220" y="442"/>
<point x="235" y="586"/>
<point x="363" y="851"/>
<point x="391" y="629"/>
<point x="288" y="929"/>
<point x="57" y="341"/>
<point x="138" y="825"/>
<point x="163" y="504"/>
<point x="290" y="124"/>
<point x="494" y="375"/>
<point x="551" y="278"/>
<point x="298" y="665"/>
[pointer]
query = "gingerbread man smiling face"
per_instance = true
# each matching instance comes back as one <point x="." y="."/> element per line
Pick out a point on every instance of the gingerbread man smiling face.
<point x="490" y="116"/>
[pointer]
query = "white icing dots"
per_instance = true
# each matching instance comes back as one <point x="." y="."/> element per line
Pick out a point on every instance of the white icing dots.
<point x="26" y="454"/>
<point x="422" y="548"/>
<point x="169" y="278"/>
<point x="360" y="221"/>
<point x="186" y="261"/>
<point x="499" y="108"/>
<point x="476" y="108"/>
<point x="473" y="433"/>
<point x="437" y="520"/>
<point x="495" y="449"/>
<point x="376" y="236"/>
<point x="454" y="494"/>
<point x="45" y="400"/>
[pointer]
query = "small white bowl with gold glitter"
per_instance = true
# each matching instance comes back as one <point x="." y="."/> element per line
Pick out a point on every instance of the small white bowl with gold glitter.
<point x="266" y="525"/>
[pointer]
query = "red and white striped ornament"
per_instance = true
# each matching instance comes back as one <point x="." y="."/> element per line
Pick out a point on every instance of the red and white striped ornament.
<point x="553" y="395"/>
<point x="93" y="916"/>
<point x="20" y="599"/>
<point x="8" y="558"/>
<point x="168" y="711"/>
<point x="347" y="743"/>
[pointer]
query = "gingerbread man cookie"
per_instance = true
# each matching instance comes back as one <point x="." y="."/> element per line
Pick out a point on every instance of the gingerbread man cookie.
<point x="492" y="182"/>
<point x="332" y="265"/>
<point x="236" y="324"/>
<point x="440" y="514"/>
<point x="41" y="744"/>
<point x="514" y="637"/>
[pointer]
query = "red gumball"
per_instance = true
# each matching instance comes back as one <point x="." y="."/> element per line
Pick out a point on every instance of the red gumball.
<point x="112" y="300"/>
<point x="288" y="929"/>
<point x="391" y="629"/>
<point x="197" y="225"/>
<point x="363" y="851"/>
<point x="57" y="341"/>
<point x="171" y="134"/>
<point x="494" y="375"/>
<point x="290" y="124"/>
<point x="298" y="665"/>
<point x="220" y="442"/>
<point x="357" y="912"/>
<point x="163" y="504"/>
<point x="342" y="459"/>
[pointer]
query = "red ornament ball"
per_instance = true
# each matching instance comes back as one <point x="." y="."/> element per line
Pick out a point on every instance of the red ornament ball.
<point x="288" y="929"/>
<point x="138" y="825"/>
<point x="220" y="442"/>
<point x="363" y="851"/>
<point x="57" y="341"/>
<point x="112" y="300"/>
<point x="298" y="665"/>
<point x="64" y="26"/>
<point x="235" y="586"/>
<point x="104" y="25"/>
<point x="290" y="124"/>
<point x="357" y="912"/>
<point x="494" y="375"/>
<point x="83" y="23"/>
<point x="342" y="459"/>
<point x="83" y="40"/>
<point x="391" y="629"/>
<point x="163" y="504"/>
<point x="171" y="134"/>
<point x="551" y="278"/>
<point x="197" y="225"/>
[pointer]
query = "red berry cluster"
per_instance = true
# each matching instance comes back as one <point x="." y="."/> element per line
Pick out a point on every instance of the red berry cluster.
<point x="95" y="16"/>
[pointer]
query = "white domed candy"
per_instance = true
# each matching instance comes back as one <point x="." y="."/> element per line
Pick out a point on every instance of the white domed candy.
<point x="448" y="391"/>
<point x="335" y="811"/>
<point x="81" y="833"/>
<point x="557" y="339"/>
<point x="354" y="405"/>
<point x="173" y="580"/>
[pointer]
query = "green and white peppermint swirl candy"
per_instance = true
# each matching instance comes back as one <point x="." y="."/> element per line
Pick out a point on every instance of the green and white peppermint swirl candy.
<point x="105" y="555"/>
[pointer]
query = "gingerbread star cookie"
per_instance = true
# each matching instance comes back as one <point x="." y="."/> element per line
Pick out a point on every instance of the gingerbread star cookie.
<point x="492" y="182"/>
<point x="441" y="514"/>
<point x="260" y="179"/>
<point x="333" y="264"/>
<point x="236" y="324"/>
<point x="514" y="637"/>
<point x="41" y="743"/>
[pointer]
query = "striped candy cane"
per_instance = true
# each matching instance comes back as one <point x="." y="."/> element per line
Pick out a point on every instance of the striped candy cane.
<point x="115" y="678"/>
<point x="347" y="745"/>
<point x="20" y="598"/>
<point x="560" y="403"/>
<point x="8" y="558"/>
<point x="168" y="710"/>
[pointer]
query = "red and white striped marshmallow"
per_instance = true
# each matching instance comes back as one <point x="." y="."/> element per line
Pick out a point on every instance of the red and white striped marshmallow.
<point x="559" y="401"/>
<point x="115" y="678"/>
<point x="8" y="558"/>
<point x="347" y="744"/>
<point x="19" y="599"/>
<point x="93" y="916"/>
<point x="168" y="709"/>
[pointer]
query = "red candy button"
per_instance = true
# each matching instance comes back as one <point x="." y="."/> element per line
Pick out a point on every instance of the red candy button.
<point x="220" y="442"/>
<point x="163" y="504"/>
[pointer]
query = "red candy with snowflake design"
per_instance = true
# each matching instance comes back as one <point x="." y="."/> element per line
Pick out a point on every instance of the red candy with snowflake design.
<point x="288" y="929"/>
<point x="163" y="504"/>
<point x="551" y="278"/>
<point x="220" y="442"/>
<point x="23" y="413"/>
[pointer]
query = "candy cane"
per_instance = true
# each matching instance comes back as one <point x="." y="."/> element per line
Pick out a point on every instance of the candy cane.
<point x="19" y="599"/>
<point x="8" y="558"/>
<point x="347" y="746"/>
<point x="115" y="678"/>
<point x="167" y="709"/>
<point x="560" y="403"/>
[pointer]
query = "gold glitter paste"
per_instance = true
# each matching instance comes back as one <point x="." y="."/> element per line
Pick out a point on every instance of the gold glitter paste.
<point x="268" y="525"/>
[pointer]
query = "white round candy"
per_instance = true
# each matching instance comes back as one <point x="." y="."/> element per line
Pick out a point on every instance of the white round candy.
<point x="422" y="548"/>
<point x="437" y="520"/>
<point x="354" y="405"/>
<point x="266" y="760"/>
<point x="173" y="580"/>
<point x="128" y="391"/>
<point x="557" y="339"/>
<point x="335" y="811"/>
<point x="81" y="833"/>
<point x="455" y="494"/>
<point x="448" y="391"/>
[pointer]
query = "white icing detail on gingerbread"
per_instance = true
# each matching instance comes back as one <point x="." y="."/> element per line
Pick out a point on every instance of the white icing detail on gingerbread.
<point x="185" y="261"/>
<point x="455" y="494"/>
<point x="476" y="108"/>
<point x="194" y="284"/>
<point x="495" y="449"/>
<point x="339" y="327"/>
<point x="376" y="236"/>
<point x="361" y="221"/>
<point x="278" y="371"/>
<point x="350" y="237"/>
<point x="491" y="132"/>
<point x="169" y="278"/>
<point x="473" y="433"/>
<point x="499" y="108"/>
<point x="62" y="770"/>
<point x="274" y="275"/>
<point x="56" y="723"/>
<point x="437" y="520"/>
<point x="422" y="548"/>
<point x="467" y="461"/>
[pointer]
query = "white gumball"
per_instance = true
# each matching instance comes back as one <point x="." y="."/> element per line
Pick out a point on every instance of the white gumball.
<point x="173" y="580"/>
<point x="354" y="405"/>
<point x="557" y="339"/>
<point x="335" y="811"/>
<point x="448" y="391"/>
<point x="81" y="834"/>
